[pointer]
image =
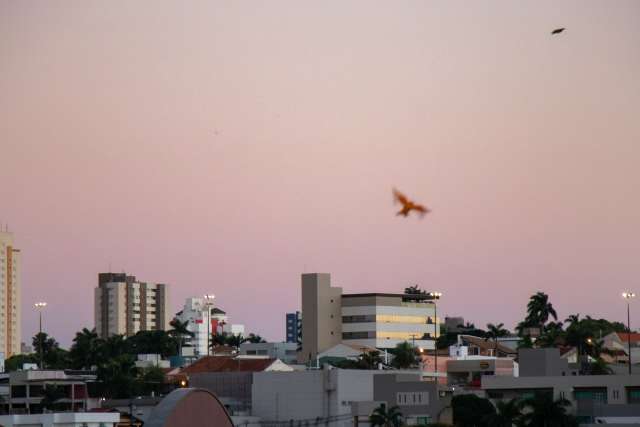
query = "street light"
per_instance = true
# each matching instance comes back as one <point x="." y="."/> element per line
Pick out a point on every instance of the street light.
<point x="435" y="296"/>
<point x="40" y="306"/>
<point x="208" y="301"/>
<point x="628" y="295"/>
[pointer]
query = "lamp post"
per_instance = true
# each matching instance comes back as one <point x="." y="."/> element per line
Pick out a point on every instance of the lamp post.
<point x="40" y="306"/>
<point x="208" y="302"/>
<point x="435" y="296"/>
<point x="628" y="295"/>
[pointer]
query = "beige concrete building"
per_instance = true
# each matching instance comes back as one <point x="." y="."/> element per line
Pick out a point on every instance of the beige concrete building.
<point x="371" y="320"/>
<point x="124" y="306"/>
<point x="10" y="315"/>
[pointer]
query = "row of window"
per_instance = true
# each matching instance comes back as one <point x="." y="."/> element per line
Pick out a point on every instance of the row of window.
<point x="385" y="335"/>
<point x="387" y="318"/>
<point x="412" y="398"/>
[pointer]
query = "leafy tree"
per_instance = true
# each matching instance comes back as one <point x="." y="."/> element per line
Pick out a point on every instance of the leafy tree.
<point x="16" y="361"/>
<point x="152" y="342"/>
<point x="118" y="377"/>
<point x="85" y="351"/>
<point x="404" y="355"/>
<point x="111" y="347"/>
<point x="543" y="411"/>
<point x="179" y="332"/>
<point x="414" y="290"/>
<point x="470" y="410"/>
<point x="384" y="417"/>
<point x="552" y="335"/>
<point x="494" y="332"/>
<point x="151" y="380"/>
<point x="253" y="338"/>
<point x="53" y="356"/>
<point x="507" y="414"/>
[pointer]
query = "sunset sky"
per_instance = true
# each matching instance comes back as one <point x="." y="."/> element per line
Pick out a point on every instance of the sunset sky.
<point x="226" y="147"/>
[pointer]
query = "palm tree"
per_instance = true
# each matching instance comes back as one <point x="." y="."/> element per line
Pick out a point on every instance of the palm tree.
<point x="494" y="332"/>
<point x="386" y="418"/>
<point x="543" y="411"/>
<point x="507" y="414"/>
<point x="539" y="309"/>
<point x="178" y="331"/>
<point x="551" y="335"/>
<point x="84" y="352"/>
<point x="50" y="396"/>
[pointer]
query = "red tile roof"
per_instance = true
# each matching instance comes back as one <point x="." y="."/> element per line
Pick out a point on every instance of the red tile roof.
<point x="624" y="337"/>
<point x="227" y="364"/>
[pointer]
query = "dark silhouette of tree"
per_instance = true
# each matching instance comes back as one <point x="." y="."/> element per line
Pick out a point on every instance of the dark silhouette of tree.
<point x="542" y="411"/>
<point x="470" y="410"/>
<point x="253" y="338"/>
<point x="494" y="332"/>
<point x="118" y="377"/>
<point x="85" y="350"/>
<point x="508" y="413"/>
<point x="404" y="355"/>
<point x="51" y="394"/>
<point x="383" y="417"/>
<point x="414" y="290"/>
<point x="180" y="333"/>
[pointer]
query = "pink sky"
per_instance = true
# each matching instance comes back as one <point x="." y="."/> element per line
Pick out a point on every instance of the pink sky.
<point x="228" y="146"/>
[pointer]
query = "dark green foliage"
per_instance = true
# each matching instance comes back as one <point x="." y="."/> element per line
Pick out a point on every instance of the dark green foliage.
<point x="404" y="356"/>
<point x="180" y="332"/>
<point x="414" y="290"/>
<point x="85" y="351"/>
<point x="365" y="361"/>
<point x="542" y="411"/>
<point x="118" y="377"/>
<point x="16" y="361"/>
<point x="470" y="410"/>
<point x="384" y="417"/>
<point x="508" y="413"/>
<point x="151" y="380"/>
<point x="152" y="342"/>
<point x="53" y="356"/>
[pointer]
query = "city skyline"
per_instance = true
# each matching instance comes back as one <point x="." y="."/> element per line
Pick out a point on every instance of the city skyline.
<point x="228" y="148"/>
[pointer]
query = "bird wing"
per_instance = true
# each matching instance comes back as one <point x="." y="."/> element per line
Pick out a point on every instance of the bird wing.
<point x="422" y="209"/>
<point x="399" y="197"/>
<point x="557" y="31"/>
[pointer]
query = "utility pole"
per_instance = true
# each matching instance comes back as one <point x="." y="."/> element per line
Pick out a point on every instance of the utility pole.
<point x="628" y="295"/>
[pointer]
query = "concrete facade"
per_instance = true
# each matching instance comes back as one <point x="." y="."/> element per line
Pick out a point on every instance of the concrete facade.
<point x="367" y="320"/>
<point x="417" y="400"/>
<point x="287" y="352"/>
<point x="315" y="396"/>
<point x="385" y="320"/>
<point x="67" y="419"/>
<point x="124" y="306"/>
<point x="10" y="286"/>
<point x="321" y="315"/>
<point x="545" y="362"/>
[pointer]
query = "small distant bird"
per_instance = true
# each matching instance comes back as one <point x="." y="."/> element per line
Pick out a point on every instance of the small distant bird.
<point x="557" y="31"/>
<point x="408" y="205"/>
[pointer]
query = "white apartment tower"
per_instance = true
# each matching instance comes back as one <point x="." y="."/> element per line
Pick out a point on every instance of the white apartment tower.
<point x="10" y="267"/>
<point x="125" y="306"/>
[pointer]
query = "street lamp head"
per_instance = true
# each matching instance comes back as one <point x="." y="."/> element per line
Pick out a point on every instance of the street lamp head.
<point x="435" y="295"/>
<point x="40" y="304"/>
<point x="209" y="296"/>
<point x="628" y="295"/>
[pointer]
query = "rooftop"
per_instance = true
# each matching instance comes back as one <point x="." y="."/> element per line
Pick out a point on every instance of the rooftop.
<point x="227" y="364"/>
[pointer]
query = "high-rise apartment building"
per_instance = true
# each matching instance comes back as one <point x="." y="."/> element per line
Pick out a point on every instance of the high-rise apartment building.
<point x="294" y="327"/>
<point x="124" y="306"/>
<point x="373" y="320"/>
<point x="10" y="267"/>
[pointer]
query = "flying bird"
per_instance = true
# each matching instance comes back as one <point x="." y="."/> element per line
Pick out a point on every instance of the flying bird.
<point x="408" y="205"/>
<point x="557" y="31"/>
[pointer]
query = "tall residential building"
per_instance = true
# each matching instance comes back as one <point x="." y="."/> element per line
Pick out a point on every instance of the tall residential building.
<point x="374" y="320"/>
<point x="204" y="320"/>
<point x="125" y="306"/>
<point x="10" y="268"/>
<point x="294" y="327"/>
